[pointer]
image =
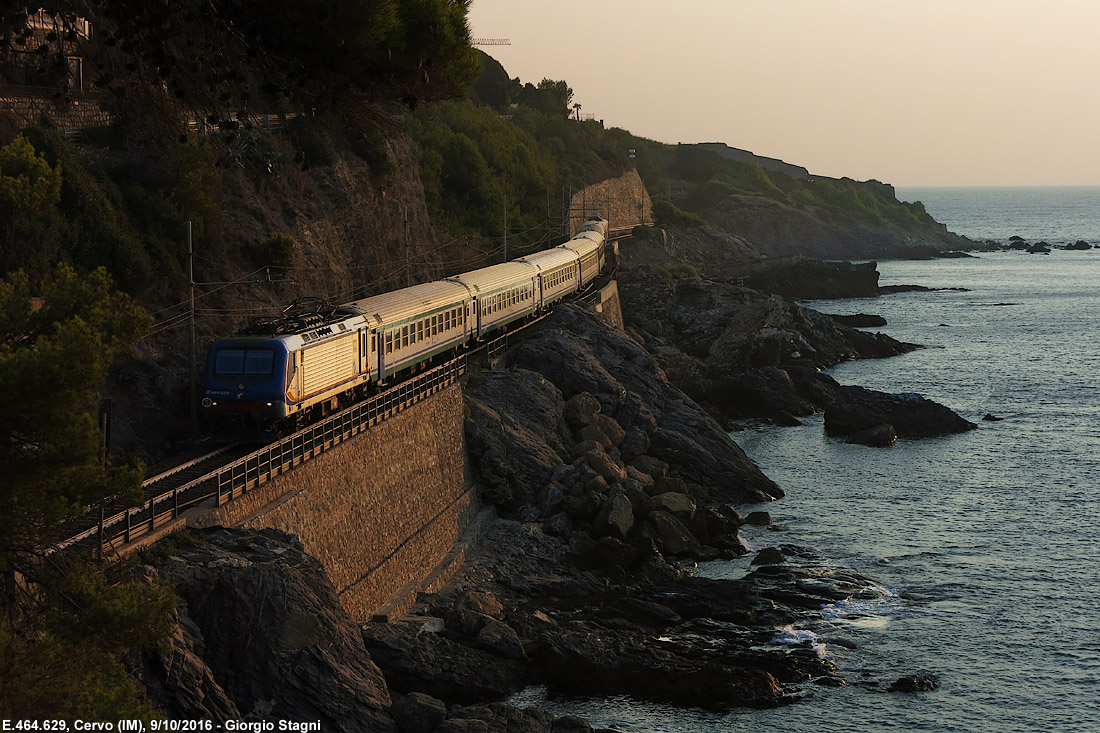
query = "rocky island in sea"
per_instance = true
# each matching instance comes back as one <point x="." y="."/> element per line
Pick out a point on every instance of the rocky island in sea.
<point x="605" y="459"/>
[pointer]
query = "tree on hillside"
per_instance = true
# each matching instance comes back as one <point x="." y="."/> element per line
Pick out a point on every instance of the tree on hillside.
<point x="29" y="187"/>
<point x="549" y="97"/>
<point x="236" y="56"/>
<point x="57" y="339"/>
<point x="63" y="626"/>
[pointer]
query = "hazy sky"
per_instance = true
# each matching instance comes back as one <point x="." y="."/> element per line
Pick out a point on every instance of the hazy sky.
<point x="912" y="92"/>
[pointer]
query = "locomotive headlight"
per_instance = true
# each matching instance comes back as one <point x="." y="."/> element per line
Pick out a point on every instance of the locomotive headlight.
<point x="269" y="404"/>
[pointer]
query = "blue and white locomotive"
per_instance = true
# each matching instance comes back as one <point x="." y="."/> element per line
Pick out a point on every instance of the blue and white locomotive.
<point x="307" y="364"/>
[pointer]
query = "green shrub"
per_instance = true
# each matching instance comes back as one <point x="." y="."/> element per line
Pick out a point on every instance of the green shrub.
<point x="678" y="271"/>
<point x="666" y="213"/>
<point x="276" y="251"/>
<point x="28" y="184"/>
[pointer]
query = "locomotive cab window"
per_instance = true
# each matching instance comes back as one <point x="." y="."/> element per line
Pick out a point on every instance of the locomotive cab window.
<point x="244" y="362"/>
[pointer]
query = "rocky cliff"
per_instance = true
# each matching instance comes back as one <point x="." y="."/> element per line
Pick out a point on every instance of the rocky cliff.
<point x="776" y="228"/>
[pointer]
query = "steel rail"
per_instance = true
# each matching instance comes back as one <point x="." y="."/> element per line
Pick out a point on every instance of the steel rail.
<point x="231" y="481"/>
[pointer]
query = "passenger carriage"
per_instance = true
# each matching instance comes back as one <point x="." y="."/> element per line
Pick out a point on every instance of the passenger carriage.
<point x="309" y="363"/>
<point x="413" y="325"/>
<point x="557" y="276"/>
<point x="502" y="293"/>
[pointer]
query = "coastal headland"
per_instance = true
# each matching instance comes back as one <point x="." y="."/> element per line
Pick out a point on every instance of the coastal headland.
<point x="605" y="464"/>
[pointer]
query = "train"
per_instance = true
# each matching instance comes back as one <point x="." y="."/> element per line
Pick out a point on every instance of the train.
<point x="314" y="359"/>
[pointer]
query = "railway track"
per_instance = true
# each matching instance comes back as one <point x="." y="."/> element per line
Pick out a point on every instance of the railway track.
<point x="228" y="471"/>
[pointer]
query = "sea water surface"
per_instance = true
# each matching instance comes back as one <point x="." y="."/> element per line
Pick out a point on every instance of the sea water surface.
<point x="1057" y="214"/>
<point x="987" y="543"/>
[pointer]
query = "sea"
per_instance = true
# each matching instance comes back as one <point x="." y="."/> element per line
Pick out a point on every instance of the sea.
<point x="983" y="547"/>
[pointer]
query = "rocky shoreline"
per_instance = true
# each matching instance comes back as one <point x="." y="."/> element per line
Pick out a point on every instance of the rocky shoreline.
<point x="604" y="482"/>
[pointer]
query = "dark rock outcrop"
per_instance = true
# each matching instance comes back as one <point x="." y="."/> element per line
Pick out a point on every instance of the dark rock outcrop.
<point x="919" y="682"/>
<point x="576" y="352"/>
<point x="742" y="352"/>
<point x="855" y="410"/>
<point x="262" y="634"/>
<point x="815" y="279"/>
<point x="859" y="320"/>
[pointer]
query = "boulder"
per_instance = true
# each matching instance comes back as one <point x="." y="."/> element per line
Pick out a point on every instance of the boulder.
<point x="644" y="479"/>
<point x="480" y="602"/>
<point x="268" y="626"/>
<point x="616" y="516"/>
<point x="580" y="410"/>
<point x="671" y="535"/>
<point x="635" y="443"/>
<point x="596" y="485"/>
<point x="447" y="666"/>
<point x="583" y="507"/>
<point x="855" y="409"/>
<point x="611" y="428"/>
<point x="680" y="505"/>
<point x="769" y="556"/>
<point x="859" y="320"/>
<point x="579" y="352"/>
<point x="500" y="639"/>
<point x="641" y="502"/>
<point x="593" y="434"/>
<point x="418" y="713"/>
<point x="879" y="436"/>
<point x="651" y="466"/>
<point x="758" y="519"/>
<point x="919" y="682"/>
<point x="605" y="466"/>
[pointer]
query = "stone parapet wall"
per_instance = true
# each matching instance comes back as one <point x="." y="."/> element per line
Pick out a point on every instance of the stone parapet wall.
<point x="609" y="306"/>
<point x="623" y="201"/>
<point x="379" y="511"/>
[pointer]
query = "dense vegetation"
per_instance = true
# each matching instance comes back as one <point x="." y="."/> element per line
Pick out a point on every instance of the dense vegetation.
<point x="714" y="178"/>
<point x="225" y="58"/>
<point x="517" y="142"/>
<point x="63" y="625"/>
<point x="510" y="147"/>
<point x="75" y="222"/>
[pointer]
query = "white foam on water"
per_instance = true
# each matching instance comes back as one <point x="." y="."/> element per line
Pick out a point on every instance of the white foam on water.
<point x="791" y="636"/>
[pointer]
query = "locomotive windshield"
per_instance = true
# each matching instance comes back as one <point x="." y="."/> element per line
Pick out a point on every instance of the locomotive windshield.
<point x="244" y="362"/>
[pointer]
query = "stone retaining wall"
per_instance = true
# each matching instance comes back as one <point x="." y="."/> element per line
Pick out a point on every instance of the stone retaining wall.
<point x="379" y="511"/>
<point x="623" y="201"/>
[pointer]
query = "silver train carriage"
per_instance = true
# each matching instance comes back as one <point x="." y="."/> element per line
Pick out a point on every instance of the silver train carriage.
<point x="267" y="379"/>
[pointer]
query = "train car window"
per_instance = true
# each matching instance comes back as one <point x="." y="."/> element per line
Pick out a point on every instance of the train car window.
<point x="404" y="336"/>
<point x="420" y="330"/>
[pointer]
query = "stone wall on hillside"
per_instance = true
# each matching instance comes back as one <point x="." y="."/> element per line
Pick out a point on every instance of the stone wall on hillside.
<point x="379" y="511"/>
<point x="623" y="201"/>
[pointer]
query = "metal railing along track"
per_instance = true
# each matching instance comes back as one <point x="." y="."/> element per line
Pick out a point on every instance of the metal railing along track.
<point x="246" y="474"/>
